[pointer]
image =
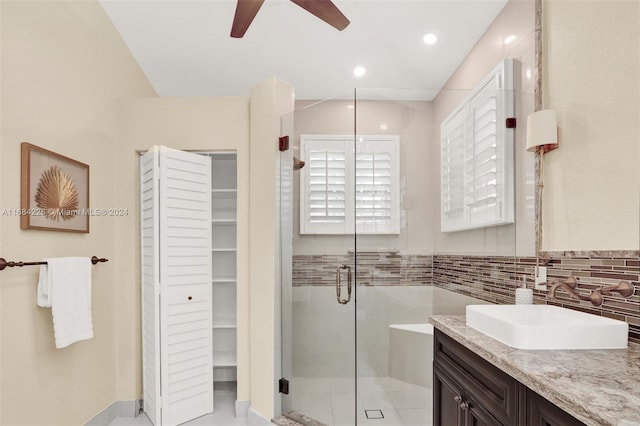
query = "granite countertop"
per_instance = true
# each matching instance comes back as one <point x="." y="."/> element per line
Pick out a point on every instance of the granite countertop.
<point x="598" y="387"/>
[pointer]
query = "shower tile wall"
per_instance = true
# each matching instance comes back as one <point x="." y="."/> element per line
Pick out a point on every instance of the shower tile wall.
<point x="374" y="269"/>
<point x="323" y="330"/>
<point x="491" y="279"/>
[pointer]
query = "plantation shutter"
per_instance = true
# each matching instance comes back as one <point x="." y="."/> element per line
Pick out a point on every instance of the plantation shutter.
<point x="477" y="180"/>
<point x="482" y="165"/>
<point x="376" y="184"/>
<point x="452" y="166"/>
<point x="335" y="177"/>
<point x="325" y="205"/>
<point x="183" y="269"/>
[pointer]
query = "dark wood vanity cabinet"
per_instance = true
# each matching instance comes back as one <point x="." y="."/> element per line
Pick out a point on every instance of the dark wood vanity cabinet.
<point x="456" y="408"/>
<point x="469" y="391"/>
<point x="541" y="412"/>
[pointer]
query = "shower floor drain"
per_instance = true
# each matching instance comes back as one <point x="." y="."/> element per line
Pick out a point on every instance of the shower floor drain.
<point x="374" y="414"/>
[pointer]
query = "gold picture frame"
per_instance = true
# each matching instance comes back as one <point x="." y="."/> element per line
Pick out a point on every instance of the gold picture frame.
<point x="54" y="191"/>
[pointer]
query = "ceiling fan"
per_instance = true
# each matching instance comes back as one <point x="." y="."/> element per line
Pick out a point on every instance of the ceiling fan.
<point x="246" y="10"/>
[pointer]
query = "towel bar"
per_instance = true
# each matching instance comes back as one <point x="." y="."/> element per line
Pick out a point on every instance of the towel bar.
<point x="4" y="263"/>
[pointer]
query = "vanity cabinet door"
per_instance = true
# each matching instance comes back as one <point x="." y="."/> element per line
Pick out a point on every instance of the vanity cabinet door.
<point x="447" y="396"/>
<point x="541" y="412"/>
<point x="489" y="395"/>
<point x="476" y="415"/>
<point x="454" y="407"/>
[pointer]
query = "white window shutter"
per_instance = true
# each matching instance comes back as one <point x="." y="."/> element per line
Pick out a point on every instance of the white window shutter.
<point x="327" y="186"/>
<point x="342" y="191"/>
<point x="482" y="168"/>
<point x="377" y="185"/>
<point x="325" y="205"/>
<point x="485" y="162"/>
<point x="452" y="171"/>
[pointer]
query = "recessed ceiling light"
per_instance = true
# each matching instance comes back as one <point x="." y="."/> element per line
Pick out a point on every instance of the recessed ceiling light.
<point x="510" y="39"/>
<point x="359" y="71"/>
<point x="384" y="127"/>
<point x="430" y="39"/>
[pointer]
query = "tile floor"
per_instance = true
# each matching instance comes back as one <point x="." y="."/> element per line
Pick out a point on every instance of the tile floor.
<point x="224" y="399"/>
<point x="330" y="401"/>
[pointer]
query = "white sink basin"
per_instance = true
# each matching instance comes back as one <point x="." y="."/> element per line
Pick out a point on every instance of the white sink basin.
<point x="547" y="327"/>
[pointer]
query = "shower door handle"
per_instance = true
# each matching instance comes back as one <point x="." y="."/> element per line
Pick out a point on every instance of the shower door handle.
<point x="339" y="285"/>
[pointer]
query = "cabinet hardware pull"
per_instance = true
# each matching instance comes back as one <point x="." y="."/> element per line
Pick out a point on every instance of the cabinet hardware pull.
<point x="457" y="398"/>
<point x="464" y="406"/>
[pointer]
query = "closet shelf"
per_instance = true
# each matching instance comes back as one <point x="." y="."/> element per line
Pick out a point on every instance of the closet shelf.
<point x="228" y="321"/>
<point x="224" y="359"/>
<point x="224" y="229"/>
<point x="224" y="326"/>
<point x="225" y="280"/>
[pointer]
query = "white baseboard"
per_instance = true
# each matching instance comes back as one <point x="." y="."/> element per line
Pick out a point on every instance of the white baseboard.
<point x="242" y="408"/>
<point x="256" y="419"/>
<point x="116" y="409"/>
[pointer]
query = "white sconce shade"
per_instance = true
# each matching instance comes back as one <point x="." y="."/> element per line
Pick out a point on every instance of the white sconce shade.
<point x="542" y="130"/>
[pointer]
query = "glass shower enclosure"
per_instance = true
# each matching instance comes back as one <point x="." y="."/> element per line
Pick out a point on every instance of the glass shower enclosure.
<point x="360" y="203"/>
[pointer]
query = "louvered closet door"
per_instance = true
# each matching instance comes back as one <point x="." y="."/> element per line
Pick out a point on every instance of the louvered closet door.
<point x="150" y="278"/>
<point x="185" y="305"/>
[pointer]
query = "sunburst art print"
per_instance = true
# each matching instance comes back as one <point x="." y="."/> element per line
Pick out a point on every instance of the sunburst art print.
<point x="54" y="191"/>
<point x="57" y="195"/>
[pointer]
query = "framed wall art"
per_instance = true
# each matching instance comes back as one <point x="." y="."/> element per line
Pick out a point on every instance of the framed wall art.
<point x="54" y="191"/>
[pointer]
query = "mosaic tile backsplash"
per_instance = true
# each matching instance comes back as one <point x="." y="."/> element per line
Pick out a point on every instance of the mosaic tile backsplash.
<point x="493" y="279"/>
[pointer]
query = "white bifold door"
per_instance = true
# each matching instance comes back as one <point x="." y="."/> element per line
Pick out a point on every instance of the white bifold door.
<point x="177" y="360"/>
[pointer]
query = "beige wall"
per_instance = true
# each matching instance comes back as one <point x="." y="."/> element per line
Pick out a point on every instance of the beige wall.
<point x="270" y="100"/>
<point x="591" y="78"/>
<point x="63" y="66"/>
<point x="70" y="85"/>
<point x="198" y="124"/>
<point x="517" y="19"/>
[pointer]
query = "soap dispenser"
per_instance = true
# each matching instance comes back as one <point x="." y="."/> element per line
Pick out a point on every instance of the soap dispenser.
<point x="524" y="295"/>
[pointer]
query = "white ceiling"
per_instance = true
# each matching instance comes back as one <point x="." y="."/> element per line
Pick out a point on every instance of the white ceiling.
<point x="184" y="48"/>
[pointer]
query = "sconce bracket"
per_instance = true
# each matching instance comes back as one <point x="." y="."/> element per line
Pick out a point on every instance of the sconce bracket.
<point x="283" y="143"/>
<point x="548" y="147"/>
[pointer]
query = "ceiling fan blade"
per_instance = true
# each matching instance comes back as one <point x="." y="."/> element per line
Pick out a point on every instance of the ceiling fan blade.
<point x="246" y="10"/>
<point x="325" y="10"/>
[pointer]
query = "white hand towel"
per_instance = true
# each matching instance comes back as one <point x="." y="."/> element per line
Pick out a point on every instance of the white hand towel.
<point x="65" y="286"/>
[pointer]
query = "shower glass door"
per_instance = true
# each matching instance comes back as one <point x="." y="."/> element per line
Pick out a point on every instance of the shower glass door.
<point x="319" y="271"/>
<point x="395" y="189"/>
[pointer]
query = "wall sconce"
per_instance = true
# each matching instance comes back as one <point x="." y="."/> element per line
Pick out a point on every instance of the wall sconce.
<point x="542" y="131"/>
<point x="542" y="137"/>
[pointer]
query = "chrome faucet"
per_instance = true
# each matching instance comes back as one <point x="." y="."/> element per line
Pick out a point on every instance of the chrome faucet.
<point x="624" y="288"/>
